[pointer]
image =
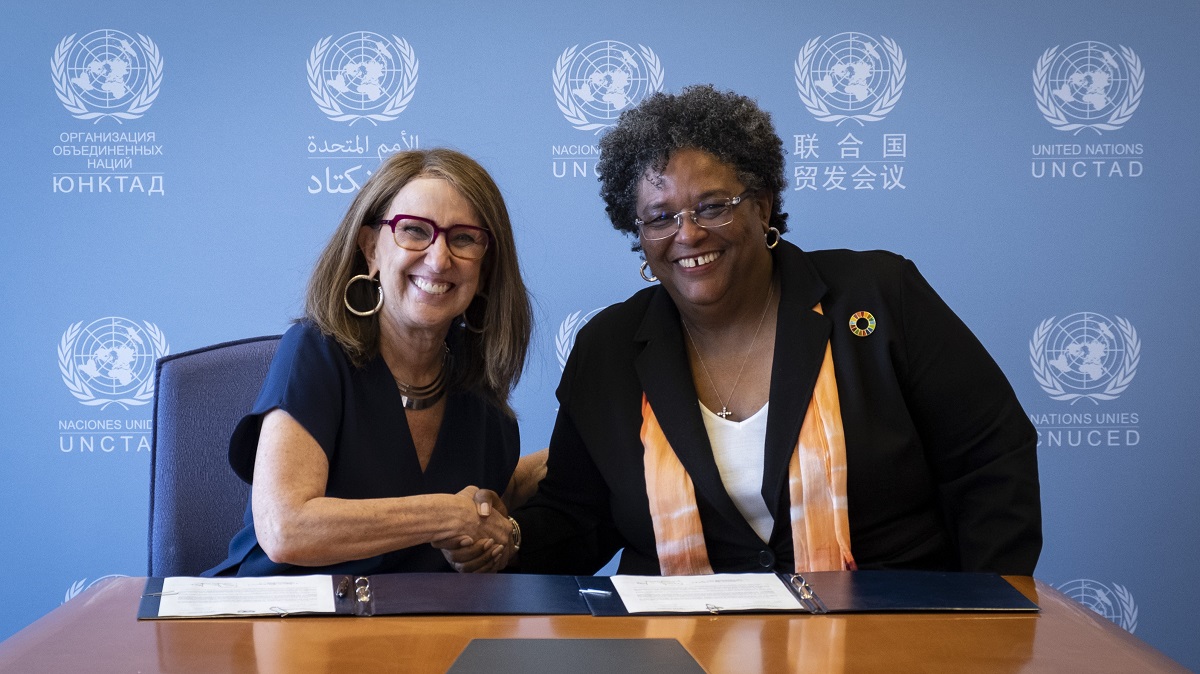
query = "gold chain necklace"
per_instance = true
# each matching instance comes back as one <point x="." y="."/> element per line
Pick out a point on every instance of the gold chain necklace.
<point x="724" y="413"/>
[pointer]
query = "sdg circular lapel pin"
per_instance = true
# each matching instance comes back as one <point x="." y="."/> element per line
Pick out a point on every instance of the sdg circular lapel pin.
<point x="862" y="323"/>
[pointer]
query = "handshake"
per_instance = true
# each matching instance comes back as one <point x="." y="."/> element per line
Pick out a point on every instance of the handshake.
<point x="489" y="538"/>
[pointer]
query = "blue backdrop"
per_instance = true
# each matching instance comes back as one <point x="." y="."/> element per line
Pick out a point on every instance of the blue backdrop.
<point x="172" y="171"/>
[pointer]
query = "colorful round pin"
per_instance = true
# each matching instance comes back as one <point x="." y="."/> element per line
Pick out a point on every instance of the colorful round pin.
<point x="862" y="323"/>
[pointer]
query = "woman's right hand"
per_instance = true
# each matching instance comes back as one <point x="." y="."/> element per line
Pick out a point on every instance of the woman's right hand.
<point x="484" y="545"/>
<point x="298" y="524"/>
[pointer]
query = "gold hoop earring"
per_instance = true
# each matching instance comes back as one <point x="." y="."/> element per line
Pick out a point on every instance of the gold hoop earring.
<point x="642" y="272"/>
<point x="772" y="242"/>
<point x="466" y="323"/>
<point x="346" y="295"/>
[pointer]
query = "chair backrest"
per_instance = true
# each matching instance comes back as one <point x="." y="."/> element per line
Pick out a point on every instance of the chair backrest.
<point x="196" y="500"/>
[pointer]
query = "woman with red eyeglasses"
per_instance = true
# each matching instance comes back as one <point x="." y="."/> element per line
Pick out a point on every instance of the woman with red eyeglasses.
<point x="386" y="407"/>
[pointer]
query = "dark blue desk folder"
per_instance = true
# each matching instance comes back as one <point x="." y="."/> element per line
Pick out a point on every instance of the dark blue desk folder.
<point x="529" y="594"/>
<point x="866" y="592"/>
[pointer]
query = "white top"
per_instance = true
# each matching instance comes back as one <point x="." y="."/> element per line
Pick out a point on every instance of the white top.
<point x="739" y="450"/>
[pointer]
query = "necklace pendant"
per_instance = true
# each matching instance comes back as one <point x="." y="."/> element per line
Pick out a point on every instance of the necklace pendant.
<point x="724" y="413"/>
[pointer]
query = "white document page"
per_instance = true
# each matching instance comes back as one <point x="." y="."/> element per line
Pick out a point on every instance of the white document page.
<point x="186" y="597"/>
<point x="700" y="594"/>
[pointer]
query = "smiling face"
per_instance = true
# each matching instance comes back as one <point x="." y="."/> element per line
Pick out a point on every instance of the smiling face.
<point x="705" y="269"/>
<point x="424" y="291"/>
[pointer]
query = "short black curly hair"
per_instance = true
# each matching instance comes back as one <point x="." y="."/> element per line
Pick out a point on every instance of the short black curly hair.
<point x="727" y="125"/>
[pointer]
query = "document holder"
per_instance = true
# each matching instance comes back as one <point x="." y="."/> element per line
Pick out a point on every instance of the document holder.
<point x="820" y="592"/>
<point x="528" y="594"/>
<point x="466" y="594"/>
<point x="420" y="593"/>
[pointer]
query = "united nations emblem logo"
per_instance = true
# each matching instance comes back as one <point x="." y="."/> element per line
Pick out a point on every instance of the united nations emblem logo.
<point x="111" y="361"/>
<point x="1115" y="604"/>
<point x="850" y="76"/>
<point x="1088" y="85"/>
<point x="80" y="585"/>
<point x="594" y="85"/>
<point x="567" y="330"/>
<point x="106" y="73"/>
<point x="362" y="75"/>
<point x="1085" y="355"/>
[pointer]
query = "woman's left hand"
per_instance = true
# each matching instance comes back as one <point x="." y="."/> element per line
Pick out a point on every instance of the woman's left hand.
<point x="484" y="556"/>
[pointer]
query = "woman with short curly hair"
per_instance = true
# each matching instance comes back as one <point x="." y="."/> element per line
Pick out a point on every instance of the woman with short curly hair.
<point x="728" y="126"/>
<point x="763" y="408"/>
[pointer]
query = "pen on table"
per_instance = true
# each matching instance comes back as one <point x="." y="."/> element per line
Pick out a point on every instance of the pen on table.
<point x="602" y="593"/>
<point x="343" y="587"/>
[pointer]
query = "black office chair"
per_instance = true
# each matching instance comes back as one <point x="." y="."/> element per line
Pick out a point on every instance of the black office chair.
<point x="196" y="501"/>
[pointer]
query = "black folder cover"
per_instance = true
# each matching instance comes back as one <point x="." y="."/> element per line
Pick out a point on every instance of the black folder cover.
<point x="435" y="593"/>
<point x="466" y="594"/>
<point x="529" y="594"/>
<point x="866" y="592"/>
<point x="888" y="591"/>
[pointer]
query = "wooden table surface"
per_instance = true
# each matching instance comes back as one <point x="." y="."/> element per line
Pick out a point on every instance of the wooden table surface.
<point x="98" y="632"/>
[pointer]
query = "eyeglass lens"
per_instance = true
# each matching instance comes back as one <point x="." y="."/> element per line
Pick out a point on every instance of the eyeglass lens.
<point x="463" y="241"/>
<point x="707" y="215"/>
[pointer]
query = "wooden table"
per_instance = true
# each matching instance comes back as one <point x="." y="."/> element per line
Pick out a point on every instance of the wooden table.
<point x="98" y="632"/>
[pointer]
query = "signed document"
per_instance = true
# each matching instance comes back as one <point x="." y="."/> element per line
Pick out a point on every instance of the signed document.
<point x="186" y="597"/>
<point x="699" y="594"/>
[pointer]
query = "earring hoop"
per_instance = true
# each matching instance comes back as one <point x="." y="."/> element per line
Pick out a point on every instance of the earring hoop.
<point x="467" y="323"/>
<point x="470" y="328"/>
<point x="642" y="272"/>
<point x="346" y="295"/>
<point x="772" y="242"/>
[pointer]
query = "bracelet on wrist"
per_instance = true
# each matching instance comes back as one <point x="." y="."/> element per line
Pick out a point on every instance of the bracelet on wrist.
<point x="516" y="535"/>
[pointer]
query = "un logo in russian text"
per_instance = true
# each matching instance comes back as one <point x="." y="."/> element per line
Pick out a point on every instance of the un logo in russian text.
<point x="362" y="75"/>
<point x="595" y="84"/>
<point x="111" y="361"/>
<point x="106" y="73"/>
<point x="1115" y="604"/>
<point x="1085" y="355"/>
<point x="1088" y="85"/>
<point x="850" y="76"/>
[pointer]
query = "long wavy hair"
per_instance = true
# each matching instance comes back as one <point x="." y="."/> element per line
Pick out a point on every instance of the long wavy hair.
<point x="488" y="362"/>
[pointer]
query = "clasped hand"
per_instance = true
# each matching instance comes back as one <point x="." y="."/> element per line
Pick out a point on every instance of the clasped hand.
<point x="485" y="543"/>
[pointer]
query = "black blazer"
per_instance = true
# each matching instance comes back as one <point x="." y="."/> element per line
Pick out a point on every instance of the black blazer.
<point x="941" y="459"/>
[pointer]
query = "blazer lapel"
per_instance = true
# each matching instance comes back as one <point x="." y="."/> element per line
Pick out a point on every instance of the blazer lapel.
<point x="665" y="376"/>
<point x="801" y="335"/>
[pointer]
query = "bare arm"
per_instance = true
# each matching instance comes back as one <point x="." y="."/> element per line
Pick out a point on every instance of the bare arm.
<point x="297" y="524"/>
<point x="524" y="483"/>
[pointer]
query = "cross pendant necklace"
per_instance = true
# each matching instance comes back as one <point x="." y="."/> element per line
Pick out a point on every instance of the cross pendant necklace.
<point x="725" y="413"/>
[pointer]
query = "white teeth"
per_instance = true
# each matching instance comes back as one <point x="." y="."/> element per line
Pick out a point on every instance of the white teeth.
<point x="689" y="262"/>
<point x="431" y="288"/>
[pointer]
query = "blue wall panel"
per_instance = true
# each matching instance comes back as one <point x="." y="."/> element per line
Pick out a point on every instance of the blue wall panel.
<point x="170" y="173"/>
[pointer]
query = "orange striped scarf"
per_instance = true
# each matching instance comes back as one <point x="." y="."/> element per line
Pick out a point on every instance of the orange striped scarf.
<point x="816" y="484"/>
